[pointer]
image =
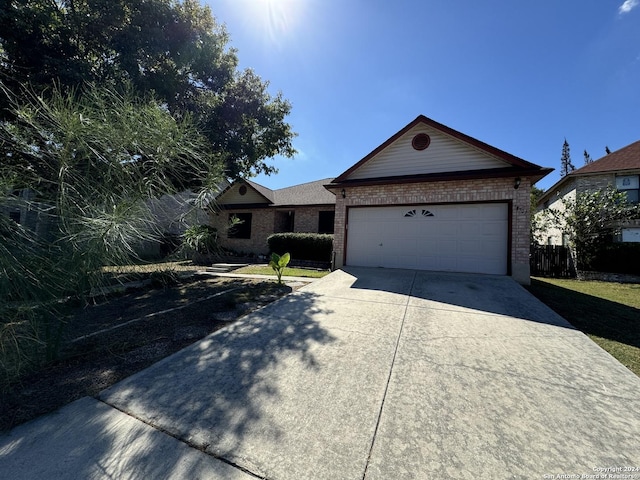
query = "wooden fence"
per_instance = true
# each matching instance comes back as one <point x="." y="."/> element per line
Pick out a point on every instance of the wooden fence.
<point x="552" y="261"/>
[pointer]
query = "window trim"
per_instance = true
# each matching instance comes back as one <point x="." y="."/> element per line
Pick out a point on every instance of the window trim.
<point x="634" y="186"/>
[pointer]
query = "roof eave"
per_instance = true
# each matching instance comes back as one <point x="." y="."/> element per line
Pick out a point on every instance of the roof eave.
<point x="534" y="173"/>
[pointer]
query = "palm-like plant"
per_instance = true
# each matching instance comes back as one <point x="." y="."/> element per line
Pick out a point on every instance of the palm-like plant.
<point x="279" y="263"/>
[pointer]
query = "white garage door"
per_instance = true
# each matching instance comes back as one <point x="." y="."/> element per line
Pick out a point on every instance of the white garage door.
<point x="453" y="238"/>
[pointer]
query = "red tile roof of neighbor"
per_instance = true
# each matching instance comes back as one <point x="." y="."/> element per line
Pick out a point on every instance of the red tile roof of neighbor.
<point x="627" y="158"/>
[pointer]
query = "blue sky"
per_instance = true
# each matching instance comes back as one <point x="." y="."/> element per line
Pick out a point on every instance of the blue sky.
<point x="518" y="75"/>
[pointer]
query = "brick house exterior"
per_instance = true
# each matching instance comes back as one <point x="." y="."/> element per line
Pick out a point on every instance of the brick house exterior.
<point x="305" y="208"/>
<point x="620" y="169"/>
<point x="453" y="169"/>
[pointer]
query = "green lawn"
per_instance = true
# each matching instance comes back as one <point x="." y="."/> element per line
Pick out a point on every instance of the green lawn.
<point x="609" y="313"/>
<point x="288" y="272"/>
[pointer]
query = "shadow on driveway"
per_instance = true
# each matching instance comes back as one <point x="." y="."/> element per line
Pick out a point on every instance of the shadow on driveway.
<point x="490" y="294"/>
<point x="214" y="392"/>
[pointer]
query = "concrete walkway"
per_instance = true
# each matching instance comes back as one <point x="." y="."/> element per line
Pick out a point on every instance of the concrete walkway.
<point x="364" y="374"/>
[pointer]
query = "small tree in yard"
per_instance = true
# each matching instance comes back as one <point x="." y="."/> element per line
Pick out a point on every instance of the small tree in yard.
<point x="278" y="263"/>
<point x="591" y="219"/>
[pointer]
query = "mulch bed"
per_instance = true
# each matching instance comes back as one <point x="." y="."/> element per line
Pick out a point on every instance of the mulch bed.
<point x="96" y="355"/>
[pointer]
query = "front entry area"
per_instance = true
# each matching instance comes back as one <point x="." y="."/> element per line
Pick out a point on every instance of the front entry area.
<point x="471" y="238"/>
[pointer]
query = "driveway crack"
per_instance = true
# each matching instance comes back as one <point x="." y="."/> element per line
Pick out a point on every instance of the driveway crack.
<point x="386" y="388"/>
<point x="204" y="448"/>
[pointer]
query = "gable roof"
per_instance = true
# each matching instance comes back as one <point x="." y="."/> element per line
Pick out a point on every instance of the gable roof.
<point x="622" y="160"/>
<point x="310" y="193"/>
<point x="496" y="162"/>
<point x="262" y="190"/>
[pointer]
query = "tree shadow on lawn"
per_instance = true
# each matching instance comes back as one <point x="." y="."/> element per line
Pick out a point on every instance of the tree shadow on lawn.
<point x="591" y="315"/>
<point x="232" y="384"/>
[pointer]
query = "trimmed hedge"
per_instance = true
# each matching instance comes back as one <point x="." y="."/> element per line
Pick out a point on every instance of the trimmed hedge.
<point x="302" y="246"/>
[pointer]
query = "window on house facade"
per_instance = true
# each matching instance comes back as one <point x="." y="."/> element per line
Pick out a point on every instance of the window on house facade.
<point x="630" y="184"/>
<point x="285" y="221"/>
<point x="325" y="221"/>
<point x="243" y="228"/>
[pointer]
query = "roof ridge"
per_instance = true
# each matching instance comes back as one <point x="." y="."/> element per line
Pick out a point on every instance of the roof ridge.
<point x="328" y="179"/>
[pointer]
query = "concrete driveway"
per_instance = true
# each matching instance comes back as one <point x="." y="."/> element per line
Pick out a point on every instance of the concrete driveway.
<point x="365" y="374"/>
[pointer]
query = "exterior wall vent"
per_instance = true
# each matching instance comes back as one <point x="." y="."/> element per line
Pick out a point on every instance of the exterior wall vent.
<point x="421" y="141"/>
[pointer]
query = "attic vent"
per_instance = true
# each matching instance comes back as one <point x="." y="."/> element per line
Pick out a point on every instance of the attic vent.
<point x="421" y="141"/>
<point x="242" y="190"/>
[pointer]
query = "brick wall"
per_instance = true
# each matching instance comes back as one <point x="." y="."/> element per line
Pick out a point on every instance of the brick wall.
<point x="264" y="223"/>
<point x="481" y="190"/>
<point x="307" y="219"/>
<point x="595" y="182"/>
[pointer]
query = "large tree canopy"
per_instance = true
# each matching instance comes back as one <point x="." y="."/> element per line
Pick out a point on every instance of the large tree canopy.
<point x="173" y="49"/>
<point x="104" y="105"/>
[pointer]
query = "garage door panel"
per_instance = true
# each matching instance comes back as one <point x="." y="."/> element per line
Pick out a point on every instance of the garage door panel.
<point x="457" y="238"/>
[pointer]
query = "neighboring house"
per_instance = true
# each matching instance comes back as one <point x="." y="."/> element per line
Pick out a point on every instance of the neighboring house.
<point x="433" y="198"/>
<point x="620" y="169"/>
<point x="306" y="208"/>
<point x="21" y="207"/>
<point x="170" y="216"/>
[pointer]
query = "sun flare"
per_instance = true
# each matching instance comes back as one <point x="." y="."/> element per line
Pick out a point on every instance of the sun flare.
<point x="273" y="19"/>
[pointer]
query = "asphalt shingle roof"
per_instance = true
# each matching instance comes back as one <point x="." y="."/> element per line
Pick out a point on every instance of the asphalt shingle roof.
<point x="624" y="159"/>
<point x="627" y="158"/>
<point x="312" y="193"/>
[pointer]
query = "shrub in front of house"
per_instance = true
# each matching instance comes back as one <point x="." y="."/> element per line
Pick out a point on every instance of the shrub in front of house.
<point x="302" y="246"/>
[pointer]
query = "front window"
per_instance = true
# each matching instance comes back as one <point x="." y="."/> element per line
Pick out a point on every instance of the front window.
<point x="325" y="221"/>
<point x="240" y="225"/>
<point x="630" y="184"/>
